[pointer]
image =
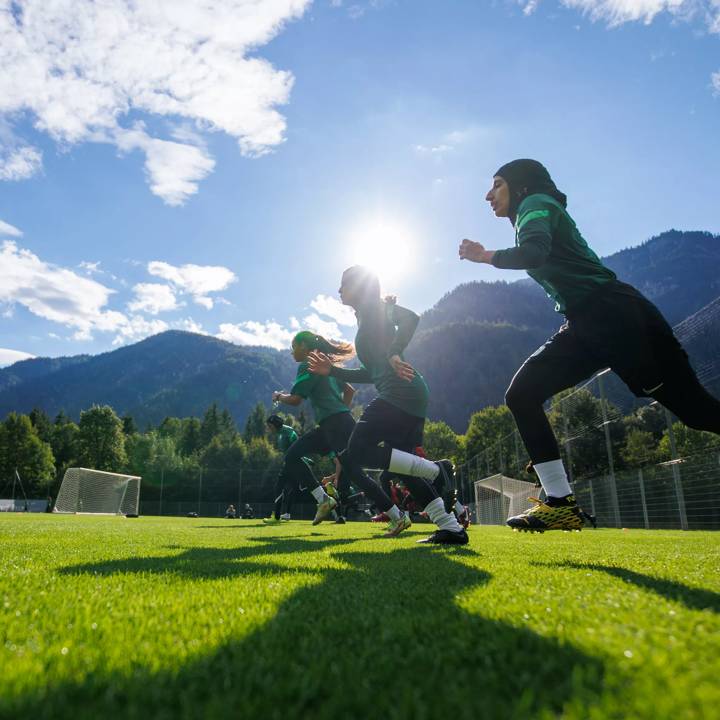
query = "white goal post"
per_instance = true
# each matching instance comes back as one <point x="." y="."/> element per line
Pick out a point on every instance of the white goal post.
<point x="498" y="497"/>
<point x="98" y="492"/>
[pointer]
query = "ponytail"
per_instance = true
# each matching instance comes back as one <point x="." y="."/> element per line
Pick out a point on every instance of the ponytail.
<point x="313" y="341"/>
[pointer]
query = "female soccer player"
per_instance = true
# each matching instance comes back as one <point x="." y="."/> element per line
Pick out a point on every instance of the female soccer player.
<point x="395" y="418"/>
<point x="330" y="400"/>
<point x="608" y="324"/>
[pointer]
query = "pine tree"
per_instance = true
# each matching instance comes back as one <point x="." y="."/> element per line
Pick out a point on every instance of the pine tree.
<point x="227" y="424"/>
<point x="41" y="422"/>
<point x="191" y="438"/>
<point x="210" y="425"/>
<point x="129" y="426"/>
<point x="255" y="424"/>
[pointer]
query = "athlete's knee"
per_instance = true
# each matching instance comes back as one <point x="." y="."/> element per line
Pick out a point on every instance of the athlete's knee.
<point x="354" y="453"/>
<point x="516" y="397"/>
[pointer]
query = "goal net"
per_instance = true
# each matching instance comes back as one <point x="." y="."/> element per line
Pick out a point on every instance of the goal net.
<point x="94" y="491"/>
<point x="499" y="497"/>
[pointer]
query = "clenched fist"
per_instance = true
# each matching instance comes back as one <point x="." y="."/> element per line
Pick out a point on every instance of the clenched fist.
<point x="474" y="251"/>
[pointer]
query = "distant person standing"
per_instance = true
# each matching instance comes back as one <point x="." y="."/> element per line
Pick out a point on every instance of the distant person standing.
<point x="608" y="324"/>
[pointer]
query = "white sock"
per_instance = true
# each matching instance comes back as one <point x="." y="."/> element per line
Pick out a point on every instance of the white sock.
<point x="459" y="507"/>
<point x="405" y="463"/>
<point x="393" y="513"/>
<point x="444" y="520"/>
<point x="319" y="494"/>
<point x="553" y="478"/>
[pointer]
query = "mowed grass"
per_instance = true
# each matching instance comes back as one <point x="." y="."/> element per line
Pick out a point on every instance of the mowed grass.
<point x="104" y="617"/>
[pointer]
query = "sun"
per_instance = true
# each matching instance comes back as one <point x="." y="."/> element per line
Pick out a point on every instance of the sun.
<point x="385" y="246"/>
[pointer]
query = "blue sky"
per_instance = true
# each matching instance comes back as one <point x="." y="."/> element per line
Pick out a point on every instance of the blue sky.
<point x="215" y="168"/>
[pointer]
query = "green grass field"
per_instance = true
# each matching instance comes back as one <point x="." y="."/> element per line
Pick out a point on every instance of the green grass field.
<point x="194" y="618"/>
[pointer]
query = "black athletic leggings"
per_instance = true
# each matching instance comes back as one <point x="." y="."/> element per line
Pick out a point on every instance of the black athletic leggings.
<point x="622" y="330"/>
<point x="383" y="422"/>
<point x="332" y="434"/>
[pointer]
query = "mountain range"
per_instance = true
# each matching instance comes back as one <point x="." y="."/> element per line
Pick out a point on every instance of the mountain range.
<point x="468" y="346"/>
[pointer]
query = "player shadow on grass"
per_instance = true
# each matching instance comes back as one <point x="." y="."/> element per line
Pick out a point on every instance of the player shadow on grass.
<point x="693" y="598"/>
<point x="384" y="635"/>
<point x="209" y="562"/>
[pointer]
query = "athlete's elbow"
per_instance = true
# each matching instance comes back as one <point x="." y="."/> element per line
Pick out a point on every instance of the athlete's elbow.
<point x="535" y="260"/>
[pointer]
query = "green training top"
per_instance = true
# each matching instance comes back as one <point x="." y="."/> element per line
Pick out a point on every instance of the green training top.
<point x="385" y="330"/>
<point x="285" y="438"/>
<point x="324" y="393"/>
<point x="551" y="249"/>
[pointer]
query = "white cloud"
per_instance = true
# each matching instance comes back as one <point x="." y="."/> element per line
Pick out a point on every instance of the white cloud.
<point x="332" y="307"/>
<point x="355" y="12"/>
<point x="279" y="336"/>
<point x="195" y="280"/>
<point x="136" y="328"/>
<point x="450" y="141"/>
<point x="55" y="293"/>
<point x="62" y="296"/>
<point x="190" y="325"/>
<point x="19" y="163"/>
<point x="80" y="67"/>
<point x="90" y="268"/>
<point x="153" y="298"/>
<point x="440" y="149"/>
<point x="269" y="334"/>
<point x="8" y="357"/>
<point x="173" y="169"/>
<point x="8" y="229"/>
<point x="617" y="12"/>
<point x="326" y="328"/>
<point x="716" y="81"/>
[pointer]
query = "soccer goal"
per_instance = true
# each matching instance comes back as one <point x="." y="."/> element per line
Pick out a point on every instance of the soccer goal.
<point x="498" y="497"/>
<point x="94" y="491"/>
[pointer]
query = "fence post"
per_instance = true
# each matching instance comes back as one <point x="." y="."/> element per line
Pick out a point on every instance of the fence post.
<point x="608" y="448"/>
<point x="503" y="516"/>
<point x="677" y="480"/>
<point x="568" y="453"/>
<point x="239" y="492"/>
<point x="641" y="482"/>
<point x="199" y="490"/>
<point x="592" y="498"/>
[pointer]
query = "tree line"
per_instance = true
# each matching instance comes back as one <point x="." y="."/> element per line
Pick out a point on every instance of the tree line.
<point x="210" y="458"/>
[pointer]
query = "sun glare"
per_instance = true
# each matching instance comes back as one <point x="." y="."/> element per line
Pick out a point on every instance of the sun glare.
<point x="385" y="246"/>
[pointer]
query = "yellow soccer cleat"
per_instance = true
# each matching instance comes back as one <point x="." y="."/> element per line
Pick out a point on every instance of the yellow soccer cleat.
<point x="554" y="514"/>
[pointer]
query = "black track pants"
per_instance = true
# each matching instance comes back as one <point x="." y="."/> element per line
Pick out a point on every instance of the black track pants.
<point x="384" y="423"/>
<point x="622" y="330"/>
<point x="332" y="434"/>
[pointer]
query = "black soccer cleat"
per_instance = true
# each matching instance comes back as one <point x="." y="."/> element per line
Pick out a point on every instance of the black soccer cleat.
<point x="447" y="537"/>
<point x="445" y="479"/>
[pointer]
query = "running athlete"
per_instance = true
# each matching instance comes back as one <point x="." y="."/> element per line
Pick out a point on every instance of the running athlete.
<point x="330" y="400"/>
<point x="608" y="323"/>
<point x="391" y="426"/>
<point x="290" y="477"/>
